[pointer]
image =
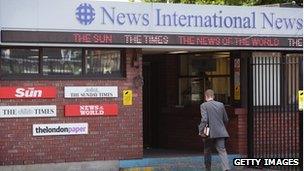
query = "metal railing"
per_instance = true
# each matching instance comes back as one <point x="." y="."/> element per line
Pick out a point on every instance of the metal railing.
<point x="275" y="124"/>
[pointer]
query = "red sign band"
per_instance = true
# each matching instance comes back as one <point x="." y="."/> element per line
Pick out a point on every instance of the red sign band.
<point x="91" y="110"/>
<point x="251" y="41"/>
<point x="27" y="92"/>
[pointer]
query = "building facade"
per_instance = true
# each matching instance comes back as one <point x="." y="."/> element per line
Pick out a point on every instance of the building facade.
<point x="92" y="81"/>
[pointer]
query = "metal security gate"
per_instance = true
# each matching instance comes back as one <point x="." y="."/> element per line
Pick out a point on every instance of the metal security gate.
<point x="274" y="122"/>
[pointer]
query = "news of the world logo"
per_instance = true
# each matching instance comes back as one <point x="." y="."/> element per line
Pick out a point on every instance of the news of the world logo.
<point x="85" y="14"/>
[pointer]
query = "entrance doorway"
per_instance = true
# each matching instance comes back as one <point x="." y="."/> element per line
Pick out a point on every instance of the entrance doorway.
<point x="150" y="103"/>
<point x="172" y="94"/>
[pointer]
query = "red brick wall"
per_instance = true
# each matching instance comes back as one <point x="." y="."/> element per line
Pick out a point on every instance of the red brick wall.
<point x="109" y="138"/>
<point x="242" y="130"/>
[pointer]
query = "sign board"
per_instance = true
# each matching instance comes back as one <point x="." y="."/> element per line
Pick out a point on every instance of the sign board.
<point x="301" y="100"/>
<point x="237" y="92"/>
<point x="91" y="110"/>
<point x="237" y="79"/>
<point x="27" y="92"/>
<point x="127" y="97"/>
<point x="163" y="40"/>
<point x="153" y="17"/>
<point x="27" y="111"/>
<point x="90" y="91"/>
<point x="60" y="129"/>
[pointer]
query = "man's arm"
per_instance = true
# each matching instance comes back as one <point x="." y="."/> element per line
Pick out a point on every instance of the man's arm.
<point x="203" y="113"/>
<point x="225" y="119"/>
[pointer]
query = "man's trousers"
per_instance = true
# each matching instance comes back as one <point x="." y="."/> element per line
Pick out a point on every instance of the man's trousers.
<point x="219" y="144"/>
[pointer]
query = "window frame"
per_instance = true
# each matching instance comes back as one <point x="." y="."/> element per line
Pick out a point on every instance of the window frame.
<point x="60" y="74"/>
<point x="25" y="75"/>
<point x="122" y="63"/>
<point x="82" y="76"/>
<point x="188" y="76"/>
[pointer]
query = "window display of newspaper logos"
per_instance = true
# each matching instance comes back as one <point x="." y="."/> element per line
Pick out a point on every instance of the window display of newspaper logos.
<point x="23" y="111"/>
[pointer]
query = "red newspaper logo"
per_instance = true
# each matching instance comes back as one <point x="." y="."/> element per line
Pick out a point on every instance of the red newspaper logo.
<point x="27" y="92"/>
<point x="91" y="110"/>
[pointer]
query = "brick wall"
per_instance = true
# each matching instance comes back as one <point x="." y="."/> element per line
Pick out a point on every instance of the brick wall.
<point x="242" y="130"/>
<point x="109" y="138"/>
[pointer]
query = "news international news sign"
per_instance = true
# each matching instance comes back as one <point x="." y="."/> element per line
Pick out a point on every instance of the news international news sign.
<point x="97" y="22"/>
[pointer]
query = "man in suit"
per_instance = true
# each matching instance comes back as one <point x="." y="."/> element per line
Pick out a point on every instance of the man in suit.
<point x="214" y="113"/>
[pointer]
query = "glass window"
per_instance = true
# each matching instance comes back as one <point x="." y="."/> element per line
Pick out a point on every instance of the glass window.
<point x="19" y="61"/>
<point x="103" y="62"/>
<point x="199" y="72"/>
<point x="62" y="61"/>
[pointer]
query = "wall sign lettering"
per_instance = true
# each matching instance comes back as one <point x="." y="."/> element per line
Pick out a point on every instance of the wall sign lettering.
<point x="91" y="110"/>
<point x="27" y="92"/>
<point x="90" y="91"/>
<point x="60" y="129"/>
<point x="27" y="111"/>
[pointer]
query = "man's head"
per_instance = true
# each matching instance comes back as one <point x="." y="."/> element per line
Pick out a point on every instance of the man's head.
<point x="209" y="95"/>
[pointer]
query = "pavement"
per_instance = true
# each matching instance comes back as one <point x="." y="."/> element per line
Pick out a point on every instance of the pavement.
<point x="174" y="169"/>
<point x="193" y="168"/>
<point x="185" y="163"/>
<point x="188" y="169"/>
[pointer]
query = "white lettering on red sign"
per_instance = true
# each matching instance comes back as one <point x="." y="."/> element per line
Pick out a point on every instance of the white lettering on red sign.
<point x="91" y="110"/>
<point x="29" y="92"/>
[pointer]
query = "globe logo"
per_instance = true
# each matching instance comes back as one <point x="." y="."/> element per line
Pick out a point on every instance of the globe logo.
<point x="85" y="14"/>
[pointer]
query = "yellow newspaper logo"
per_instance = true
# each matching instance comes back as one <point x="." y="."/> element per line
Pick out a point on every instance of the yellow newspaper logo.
<point x="301" y="99"/>
<point x="127" y="97"/>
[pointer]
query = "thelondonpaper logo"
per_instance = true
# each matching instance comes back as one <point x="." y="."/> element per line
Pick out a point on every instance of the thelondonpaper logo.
<point x="27" y="92"/>
<point x="60" y="129"/>
<point x="85" y="14"/>
<point x="91" y="110"/>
